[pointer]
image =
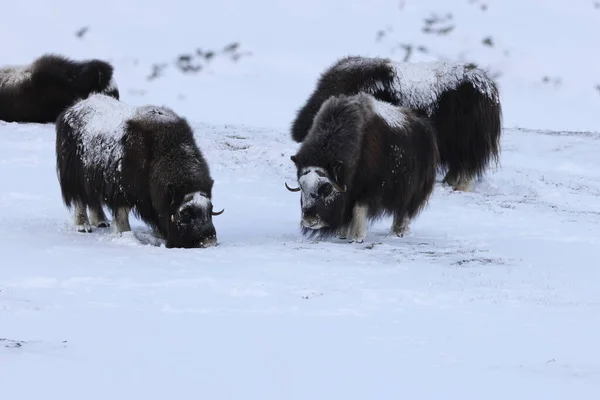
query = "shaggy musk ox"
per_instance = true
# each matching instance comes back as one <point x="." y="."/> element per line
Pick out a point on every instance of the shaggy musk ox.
<point x="143" y="159"/>
<point x="41" y="91"/>
<point x="461" y="100"/>
<point x="363" y="159"/>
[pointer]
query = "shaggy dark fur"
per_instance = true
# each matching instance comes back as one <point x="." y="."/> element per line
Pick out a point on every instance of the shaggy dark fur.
<point x="387" y="167"/>
<point x="41" y="91"/>
<point x="466" y="114"/>
<point x="153" y="167"/>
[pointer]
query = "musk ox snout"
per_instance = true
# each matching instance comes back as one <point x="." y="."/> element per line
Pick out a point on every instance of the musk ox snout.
<point x="313" y="221"/>
<point x="192" y="223"/>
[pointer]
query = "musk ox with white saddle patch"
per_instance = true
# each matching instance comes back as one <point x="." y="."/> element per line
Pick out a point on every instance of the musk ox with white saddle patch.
<point x="41" y="91"/>
<point x="363" y="159"/>
<point x="460" y="99"/>
<point x="140" y="159"/>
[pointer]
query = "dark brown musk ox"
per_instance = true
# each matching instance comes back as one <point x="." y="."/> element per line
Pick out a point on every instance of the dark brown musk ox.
<point x="361" y="160"/>
<point x="141" y="159"/>
<point x="39" y="92"/>
<point x="461" y="100"/>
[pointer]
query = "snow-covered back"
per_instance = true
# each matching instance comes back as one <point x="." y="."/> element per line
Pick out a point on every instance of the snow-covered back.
<point x="101" y="121"/>
<point x="13" y="76"/>
<point x="422" y="82"/>
<point x="392" y="115"/>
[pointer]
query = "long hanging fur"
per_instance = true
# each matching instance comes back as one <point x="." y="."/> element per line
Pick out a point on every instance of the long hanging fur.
<point x="143" y="159"/>
<point x="41" y="91"/>
<point x="461" y="100"/>
<point x="384" y="156"/>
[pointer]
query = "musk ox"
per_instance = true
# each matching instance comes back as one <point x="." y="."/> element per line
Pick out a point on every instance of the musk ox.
<point x="461" y="100"/>
<point x="140" y="159"/>
<point x="41" y="91"/>
<point x="363" y="159"/>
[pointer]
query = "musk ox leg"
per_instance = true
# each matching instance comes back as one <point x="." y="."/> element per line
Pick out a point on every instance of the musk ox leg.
<point x="80" y="217"/>
<point x="400" y="225"/>
<point x="357" y="232"/>
<point x="122" y="219"/>
<point x="459" y="182"/>
<point x="97" y="216"/>
<point x="343" y="232"/>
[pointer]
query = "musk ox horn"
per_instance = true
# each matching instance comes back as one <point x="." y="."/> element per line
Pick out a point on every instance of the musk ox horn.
<point x="340" y="188"/>
<point x="172" y="217"/>
<point x="292" y="189"/>
<point x="218" y="212"/>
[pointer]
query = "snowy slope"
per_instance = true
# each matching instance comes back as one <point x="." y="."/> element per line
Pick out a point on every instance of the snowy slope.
<point x="292" y="42"/>
<point x="494" y="293"/>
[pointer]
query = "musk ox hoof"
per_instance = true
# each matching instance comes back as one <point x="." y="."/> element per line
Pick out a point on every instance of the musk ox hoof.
<point x="400" y="232"/>
<point x="103" y="224"/>
<point x="84" y="228"/>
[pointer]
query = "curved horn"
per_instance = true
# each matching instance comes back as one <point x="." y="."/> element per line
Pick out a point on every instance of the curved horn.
<point x="292" y="189"/>
<point x="218" y="212"/>
<point x="340" y="188"/>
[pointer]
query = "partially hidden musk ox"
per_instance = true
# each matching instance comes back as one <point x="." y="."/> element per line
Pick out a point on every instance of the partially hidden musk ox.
<point x="39" y="92"/>
<point x="140" y="159"/>
<point x="461" y="100"/>
<point x="363" y="159"/>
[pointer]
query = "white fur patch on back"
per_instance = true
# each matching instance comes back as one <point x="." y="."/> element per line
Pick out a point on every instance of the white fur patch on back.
<point x="423" y="82"/>
<point x="14" y="76"/>
<point x="394" y="116"/>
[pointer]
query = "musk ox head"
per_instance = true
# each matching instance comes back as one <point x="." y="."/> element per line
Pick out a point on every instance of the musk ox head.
<point x="190" y="223"/>
<point x="95" y="76"/>
<point x="323" y="195"/>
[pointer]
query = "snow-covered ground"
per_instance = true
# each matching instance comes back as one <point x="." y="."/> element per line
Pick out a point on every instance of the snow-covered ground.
<point x="495" y="294"/>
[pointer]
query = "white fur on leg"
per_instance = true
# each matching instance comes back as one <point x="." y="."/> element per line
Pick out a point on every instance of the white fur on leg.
<point x="400" y="226"/>
<point x="80" y="218"/>
<point x="463" y="184"/>
<point x="122" y="220"/>
<point x="98" y="218"/>
<point x="357" y="232"/>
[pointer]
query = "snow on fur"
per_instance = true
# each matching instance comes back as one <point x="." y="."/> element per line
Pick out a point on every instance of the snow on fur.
<point x="392" y="115"/>
<point x="423" y="82"/>
<point x="14" y="76"/>
<point x="104" y="119"/>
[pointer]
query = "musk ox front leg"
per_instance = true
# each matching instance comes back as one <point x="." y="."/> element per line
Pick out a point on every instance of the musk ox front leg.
<point x="357" y="231"/>
<point x="458" y="181"/>
<point x="97" y="216"/>
<point x="80" y="217"/>
<point x="400" y="225"/>
<point x="121" y="216"/>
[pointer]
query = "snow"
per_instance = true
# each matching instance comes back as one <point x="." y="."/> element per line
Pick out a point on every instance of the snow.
<point x="423" y="82"/>
<point x="101" y="120"/>
<point x="13" y="76"/>
<point x="393" y="116"/>
<point x="493" y="294"/>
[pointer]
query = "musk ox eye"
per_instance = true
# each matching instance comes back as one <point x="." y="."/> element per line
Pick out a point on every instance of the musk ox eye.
<point x="325" y="190"/>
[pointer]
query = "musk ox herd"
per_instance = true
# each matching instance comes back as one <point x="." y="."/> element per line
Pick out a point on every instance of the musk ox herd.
<point x="372" y="137"/>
